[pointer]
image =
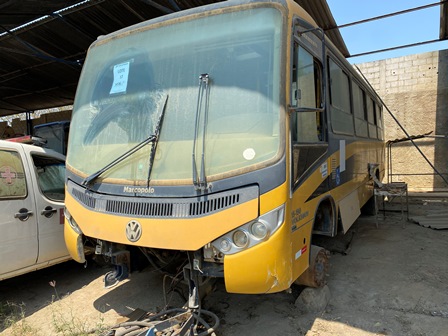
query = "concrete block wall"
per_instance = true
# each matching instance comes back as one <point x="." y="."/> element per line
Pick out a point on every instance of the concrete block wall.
<point x="415" y="89"/>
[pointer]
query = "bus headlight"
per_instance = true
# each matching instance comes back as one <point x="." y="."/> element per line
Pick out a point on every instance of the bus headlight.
<point x="252" y="233"/>
<point x="240" y="238"/>
<point x="71" y="221"/>
<point x="225" y="245"/>
<point x="259" y="230"/>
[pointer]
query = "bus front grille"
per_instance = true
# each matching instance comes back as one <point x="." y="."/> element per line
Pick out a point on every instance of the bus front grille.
<point x="158" y="207"/>
<point x="151" y="209"/>
<point x="84" y="198"/>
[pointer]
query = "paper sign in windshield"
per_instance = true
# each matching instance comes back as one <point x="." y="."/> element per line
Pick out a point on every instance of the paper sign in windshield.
<point x="121" y="74"/>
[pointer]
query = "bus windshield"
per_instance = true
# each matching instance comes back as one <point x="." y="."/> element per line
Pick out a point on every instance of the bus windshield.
<point x="128" y="81"/>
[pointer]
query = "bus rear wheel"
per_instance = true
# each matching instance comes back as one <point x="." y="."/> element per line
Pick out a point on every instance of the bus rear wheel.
<point x="315" y="275"/>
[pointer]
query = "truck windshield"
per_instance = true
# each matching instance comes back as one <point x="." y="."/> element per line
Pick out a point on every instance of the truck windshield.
<point x="125" y="79"/>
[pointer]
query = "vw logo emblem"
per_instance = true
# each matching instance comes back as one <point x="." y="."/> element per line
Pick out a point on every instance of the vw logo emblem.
<point x="133" y="231"/>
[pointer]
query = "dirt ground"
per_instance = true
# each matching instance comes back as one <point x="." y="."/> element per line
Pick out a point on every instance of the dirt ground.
<point x="391" y="281"/>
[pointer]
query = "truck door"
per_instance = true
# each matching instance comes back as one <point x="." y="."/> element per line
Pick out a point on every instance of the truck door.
<point x="18" y="218"/>
<point x="48" y="183"/>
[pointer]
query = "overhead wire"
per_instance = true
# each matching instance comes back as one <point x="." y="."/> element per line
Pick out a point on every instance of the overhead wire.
<point x="394" y="48"/>
<point x="380" y="17"/>
<point x="388" y="15"/>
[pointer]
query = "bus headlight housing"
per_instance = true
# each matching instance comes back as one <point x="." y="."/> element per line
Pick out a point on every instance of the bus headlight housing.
<point x="252" y="233"/>
<point x="71" y="221"/>
<point x="240" y="238"/>
<point x="259" y="229"/>
<point x="225" y="245"/>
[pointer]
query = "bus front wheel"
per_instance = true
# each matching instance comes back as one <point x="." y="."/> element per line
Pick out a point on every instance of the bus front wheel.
<point x="315" y="275"/>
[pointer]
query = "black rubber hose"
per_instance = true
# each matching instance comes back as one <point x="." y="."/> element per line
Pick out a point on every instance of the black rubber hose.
<point x="136" y="326"/>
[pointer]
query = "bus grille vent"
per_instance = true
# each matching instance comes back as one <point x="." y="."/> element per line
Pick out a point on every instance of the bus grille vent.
<point x="151" y="209"/>
<point x="85" y="199"/>
<point x="163" y="207"/>
<point x="211" y="205"/>
<point x="156" y="209"/>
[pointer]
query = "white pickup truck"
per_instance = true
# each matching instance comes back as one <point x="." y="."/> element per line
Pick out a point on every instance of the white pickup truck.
<point x="31" y="208"/>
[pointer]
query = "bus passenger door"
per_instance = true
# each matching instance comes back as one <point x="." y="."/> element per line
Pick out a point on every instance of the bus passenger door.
<point x="308" y="126"/>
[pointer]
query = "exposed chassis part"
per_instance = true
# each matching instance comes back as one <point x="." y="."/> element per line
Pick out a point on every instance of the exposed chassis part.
<point x="190" y="320"/>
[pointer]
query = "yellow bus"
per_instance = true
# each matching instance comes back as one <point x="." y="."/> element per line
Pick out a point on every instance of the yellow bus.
<point x="224" y="139"/>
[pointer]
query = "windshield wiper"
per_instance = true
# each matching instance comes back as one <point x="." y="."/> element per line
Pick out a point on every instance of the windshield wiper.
<point x="152" y="155"/>
<point x="151" y="139"/>
<point x="91" y="178"/>
<point x="200" y="182"/>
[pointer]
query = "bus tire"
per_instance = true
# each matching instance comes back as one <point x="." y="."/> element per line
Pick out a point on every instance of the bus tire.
<point x="316" y="274"/>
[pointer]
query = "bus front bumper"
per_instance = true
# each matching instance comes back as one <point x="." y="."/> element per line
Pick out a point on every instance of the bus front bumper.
<point x="74" y="243"/>
<point x="264" y="268"/>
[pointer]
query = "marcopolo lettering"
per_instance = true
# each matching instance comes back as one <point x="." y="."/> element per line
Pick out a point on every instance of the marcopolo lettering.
<point x="138" y="190"/>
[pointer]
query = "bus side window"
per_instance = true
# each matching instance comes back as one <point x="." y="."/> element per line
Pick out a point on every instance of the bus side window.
<point x="307" y="120"/>
<point x="307" y="94"/>
<point x="359" y="109"/>
<point x="379" y="121"/>
<point x="341" y="113"/>
<point x="371" y="117"/>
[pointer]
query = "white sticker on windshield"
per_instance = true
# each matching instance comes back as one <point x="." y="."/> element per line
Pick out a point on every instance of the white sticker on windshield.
<point x="249" y="154"/>
<point x="121" y="74"/>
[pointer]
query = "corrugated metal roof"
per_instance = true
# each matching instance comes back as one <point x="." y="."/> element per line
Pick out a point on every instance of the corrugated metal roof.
<point x="40" y="63"/>
<point x="320" y="11"/>
<point x="16" y="13"/>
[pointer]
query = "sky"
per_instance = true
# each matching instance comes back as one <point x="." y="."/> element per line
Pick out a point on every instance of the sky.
<point x="414" y="27"/>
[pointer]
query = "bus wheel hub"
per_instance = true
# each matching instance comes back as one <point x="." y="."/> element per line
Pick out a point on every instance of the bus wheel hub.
<point x="315" y="275"/>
